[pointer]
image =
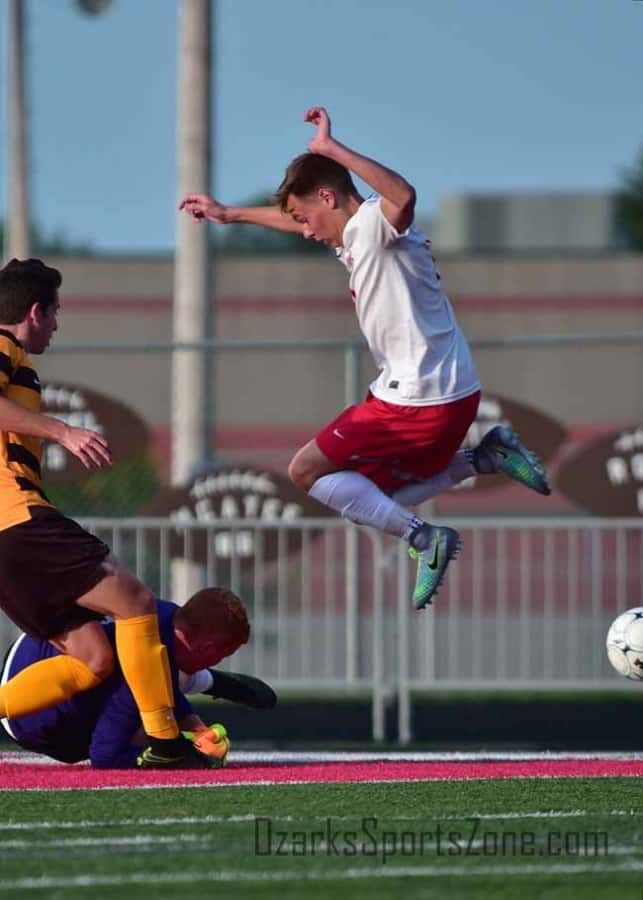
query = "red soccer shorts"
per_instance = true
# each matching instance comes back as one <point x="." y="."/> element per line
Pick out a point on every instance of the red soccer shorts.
<point x="394" y="445"/>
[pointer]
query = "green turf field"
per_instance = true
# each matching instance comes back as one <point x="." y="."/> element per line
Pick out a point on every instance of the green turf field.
<point x="176" y="843"/>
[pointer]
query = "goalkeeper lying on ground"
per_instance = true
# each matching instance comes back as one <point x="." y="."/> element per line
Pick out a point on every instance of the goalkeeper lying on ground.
<point x="103" y="724"/>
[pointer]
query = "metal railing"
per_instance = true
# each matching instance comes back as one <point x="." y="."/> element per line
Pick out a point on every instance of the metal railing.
<point x="527" y="606"/>
<point x="527" y="603"/>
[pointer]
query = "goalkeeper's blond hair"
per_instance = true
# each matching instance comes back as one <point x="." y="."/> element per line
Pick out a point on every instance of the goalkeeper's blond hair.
<point x="214" y="610"/>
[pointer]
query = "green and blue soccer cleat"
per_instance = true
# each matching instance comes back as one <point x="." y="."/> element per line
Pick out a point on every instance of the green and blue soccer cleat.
<point x="501" y="450"/>
<point x="444" y="545"/>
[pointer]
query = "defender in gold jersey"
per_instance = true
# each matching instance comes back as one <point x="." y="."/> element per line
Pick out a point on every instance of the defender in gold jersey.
<point x="56" y="579"/>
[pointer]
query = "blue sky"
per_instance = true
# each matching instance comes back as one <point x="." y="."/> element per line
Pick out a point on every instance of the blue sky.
<point x="458" y="95"/>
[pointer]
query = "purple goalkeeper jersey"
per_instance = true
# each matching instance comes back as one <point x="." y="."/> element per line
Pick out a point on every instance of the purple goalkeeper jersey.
<point x="98" y="724"/>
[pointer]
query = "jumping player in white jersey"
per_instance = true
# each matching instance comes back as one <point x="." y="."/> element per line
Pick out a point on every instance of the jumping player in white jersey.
<point x="401" y="445"/>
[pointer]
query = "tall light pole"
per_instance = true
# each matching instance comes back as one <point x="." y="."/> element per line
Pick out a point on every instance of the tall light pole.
<point x="17" y="240"/>
<point x="193" y="266"/>
<point x="17" y="219"/>
<point x="193" y="281"/>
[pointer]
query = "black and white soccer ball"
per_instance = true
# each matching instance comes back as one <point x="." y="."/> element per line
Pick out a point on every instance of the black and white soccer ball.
<point x="625" y="643"/>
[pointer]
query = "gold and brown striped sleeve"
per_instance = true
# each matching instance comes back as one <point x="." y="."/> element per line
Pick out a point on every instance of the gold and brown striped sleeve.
<point x="11" y="353"/>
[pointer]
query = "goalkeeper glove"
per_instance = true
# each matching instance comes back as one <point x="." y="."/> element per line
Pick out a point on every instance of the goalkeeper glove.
<point x="212" y="741"/>
<point x="243" y="689"/>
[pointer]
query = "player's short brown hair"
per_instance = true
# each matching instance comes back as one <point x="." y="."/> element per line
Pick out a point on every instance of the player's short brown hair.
<point x="215" y="610"/>
<point x="310" y="171"/>
<point x="24" y="282"/>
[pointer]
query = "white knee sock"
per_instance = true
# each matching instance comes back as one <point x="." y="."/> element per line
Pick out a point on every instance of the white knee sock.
<point x="358" y="499"/>
<point x="458" y="469"/>
<point x="196" y="683"/>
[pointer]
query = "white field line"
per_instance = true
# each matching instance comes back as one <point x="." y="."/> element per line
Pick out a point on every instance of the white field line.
<point x="271" y="757"/>
<point x="250" y="817"/>
<point x="23" y="758"/>
<point x="157" y="878"/>
<point x="138" y="840"/>
<point x="297" y="756"/>
<point x="180" y="842"/>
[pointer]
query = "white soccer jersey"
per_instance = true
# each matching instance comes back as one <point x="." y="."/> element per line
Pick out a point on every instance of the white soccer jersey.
<point x="408" y="322"/>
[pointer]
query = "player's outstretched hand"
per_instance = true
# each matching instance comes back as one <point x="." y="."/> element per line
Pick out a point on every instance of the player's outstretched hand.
<point x="90" y="447"/>
<point x="202" y="206"/>
<point x="318" y="117"/>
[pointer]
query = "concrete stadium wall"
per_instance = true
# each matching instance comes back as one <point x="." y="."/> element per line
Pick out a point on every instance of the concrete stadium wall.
<point x="299" y="299"/>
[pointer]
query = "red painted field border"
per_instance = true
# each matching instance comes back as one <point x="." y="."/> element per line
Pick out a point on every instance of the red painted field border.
<point x="15" y="776"/>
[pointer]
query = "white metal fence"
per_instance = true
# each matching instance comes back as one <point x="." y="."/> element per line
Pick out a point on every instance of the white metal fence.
<point x="527" y="603"/>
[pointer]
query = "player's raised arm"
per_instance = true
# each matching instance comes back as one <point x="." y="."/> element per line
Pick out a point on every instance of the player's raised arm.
<point x="202" y="206"/>
<point x="398" y="196"/>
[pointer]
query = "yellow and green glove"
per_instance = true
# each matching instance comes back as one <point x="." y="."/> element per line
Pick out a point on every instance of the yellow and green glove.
<point x="213" y="741"/>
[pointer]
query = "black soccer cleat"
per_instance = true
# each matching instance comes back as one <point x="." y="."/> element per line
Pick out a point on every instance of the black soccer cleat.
<point x="176" y="753"/>
<point x="244" y="689"/>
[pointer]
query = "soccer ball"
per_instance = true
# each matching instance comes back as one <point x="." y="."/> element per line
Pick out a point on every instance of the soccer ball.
<point x="625" y="643"/>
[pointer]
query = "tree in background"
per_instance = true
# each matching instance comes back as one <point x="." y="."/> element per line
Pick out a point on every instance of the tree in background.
<point x="629" y="205"/>
<point x="54" y="244"/>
